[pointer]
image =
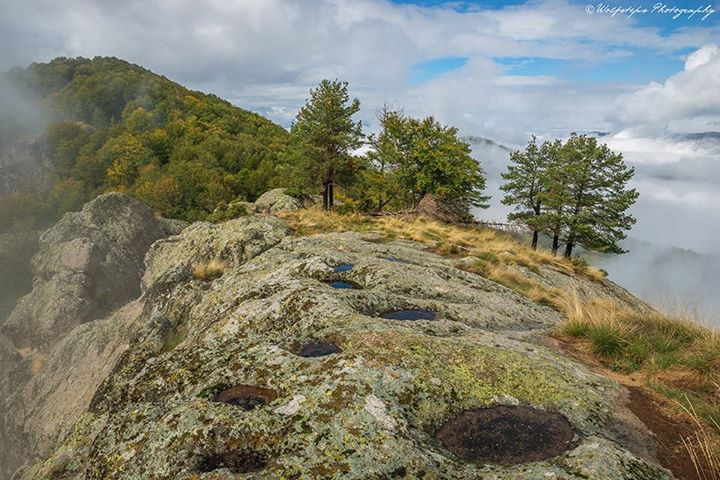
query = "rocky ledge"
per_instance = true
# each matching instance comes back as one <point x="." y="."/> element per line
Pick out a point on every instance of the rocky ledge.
<point x="329" y="356"/>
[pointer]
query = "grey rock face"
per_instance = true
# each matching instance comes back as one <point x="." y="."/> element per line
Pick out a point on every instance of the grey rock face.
<point x="16" y="251"/>
<point x="276" y="200"/>
<point x="370" y="410"/>
<point x="88" y="264"/>
<point x="56" y="348"/>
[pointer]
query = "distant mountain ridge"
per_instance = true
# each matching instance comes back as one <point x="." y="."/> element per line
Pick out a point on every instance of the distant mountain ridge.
<point x="475" y="140"/>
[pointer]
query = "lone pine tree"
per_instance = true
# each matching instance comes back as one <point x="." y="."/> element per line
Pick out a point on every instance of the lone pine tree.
<point x="597" y="213"/>
<point x="523" y="185"/>
<point x="323" y="137"/>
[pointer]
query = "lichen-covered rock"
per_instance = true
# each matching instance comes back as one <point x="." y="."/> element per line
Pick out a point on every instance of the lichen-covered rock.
<point x="59" y="348"/>
<point x="369" y="410"/>
<point x="276" y="200"/>
<point x="88" y="264"/>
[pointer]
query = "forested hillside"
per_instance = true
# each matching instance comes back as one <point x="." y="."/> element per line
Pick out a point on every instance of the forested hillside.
<point x="112" y="125"/>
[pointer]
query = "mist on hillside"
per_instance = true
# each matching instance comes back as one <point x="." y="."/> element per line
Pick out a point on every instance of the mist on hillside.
<point x="656" y="268"/>
<point x="20" y="114"/>
<point x="22" y="122"/>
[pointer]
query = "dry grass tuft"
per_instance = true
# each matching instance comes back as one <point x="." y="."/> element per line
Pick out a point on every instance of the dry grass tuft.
<point x="634" y="339"/>
<point x="702" y="446"/>
<point x="209" y="271"/>
<point x="37" y="362"/>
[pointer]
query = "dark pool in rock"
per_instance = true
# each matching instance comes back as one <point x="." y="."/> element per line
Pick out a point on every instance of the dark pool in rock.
<point x="318" y="349"/>
<point x="343" y="267"/>
<point x="243" y="461"/>
<point x="506" y="435"/>
<point x="246" y="397"/>
<point x="342" y="284"/>
<point x="409" y="314"/>
<point x="397" y="260"/>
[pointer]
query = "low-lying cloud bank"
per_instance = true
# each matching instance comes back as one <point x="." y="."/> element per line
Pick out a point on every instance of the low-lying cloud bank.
<point x="679" y="205"/>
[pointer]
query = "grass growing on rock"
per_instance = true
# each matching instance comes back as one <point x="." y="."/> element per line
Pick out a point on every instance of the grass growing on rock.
<point x="674" y="353"/>
<point x="491" y="250"/>
<point x="209" y="271"/>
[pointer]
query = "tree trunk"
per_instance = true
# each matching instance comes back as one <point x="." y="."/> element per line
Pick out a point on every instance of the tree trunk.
<point x="555" y="244"/>
<point x="536" y="233"/>
<point x="569" y="246"/>
<point x="331" y="195"/>
<point x="326" y="203"/>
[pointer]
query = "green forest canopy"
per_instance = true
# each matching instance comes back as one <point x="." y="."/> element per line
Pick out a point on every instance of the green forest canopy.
<point x="117" y="126"/>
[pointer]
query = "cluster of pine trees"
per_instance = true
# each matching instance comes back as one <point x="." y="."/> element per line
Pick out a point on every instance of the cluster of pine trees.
<point x="575" y="192"/>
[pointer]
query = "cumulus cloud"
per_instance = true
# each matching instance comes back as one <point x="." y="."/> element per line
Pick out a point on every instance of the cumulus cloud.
<point x="266" y="54"/>
<point x="685" y="102"/>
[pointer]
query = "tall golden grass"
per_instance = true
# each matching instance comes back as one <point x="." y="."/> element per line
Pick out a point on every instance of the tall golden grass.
<point x="487" y="245"/>
<point x="701" y="445"/>
<point x="677" y="355"/>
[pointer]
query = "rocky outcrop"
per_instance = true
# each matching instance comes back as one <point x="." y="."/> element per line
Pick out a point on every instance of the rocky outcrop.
<point x="88" y="264"/>
<point x="56" y="347"/>
<point x="296" y="363"/>
<point x="276" y="200"/>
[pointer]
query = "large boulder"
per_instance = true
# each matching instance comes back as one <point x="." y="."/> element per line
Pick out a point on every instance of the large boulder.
<point x="65" y="337"/>
<point x="272" y="371"/>
<point x="88" y="264"/>
<point x="276" y="200"/>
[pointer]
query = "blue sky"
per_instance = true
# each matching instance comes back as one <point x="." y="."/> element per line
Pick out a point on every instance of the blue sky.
<point x="636" y="64"/>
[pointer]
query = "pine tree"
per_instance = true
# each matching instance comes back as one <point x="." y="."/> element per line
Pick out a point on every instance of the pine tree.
<point x="597" y="177"/>
<point x="554" y="194"/>
<point x="323" y="137"/>
<point x="523" y="185"/>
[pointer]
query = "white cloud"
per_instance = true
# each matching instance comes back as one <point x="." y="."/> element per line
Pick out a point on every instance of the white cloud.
<point x="685" y="102"/>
